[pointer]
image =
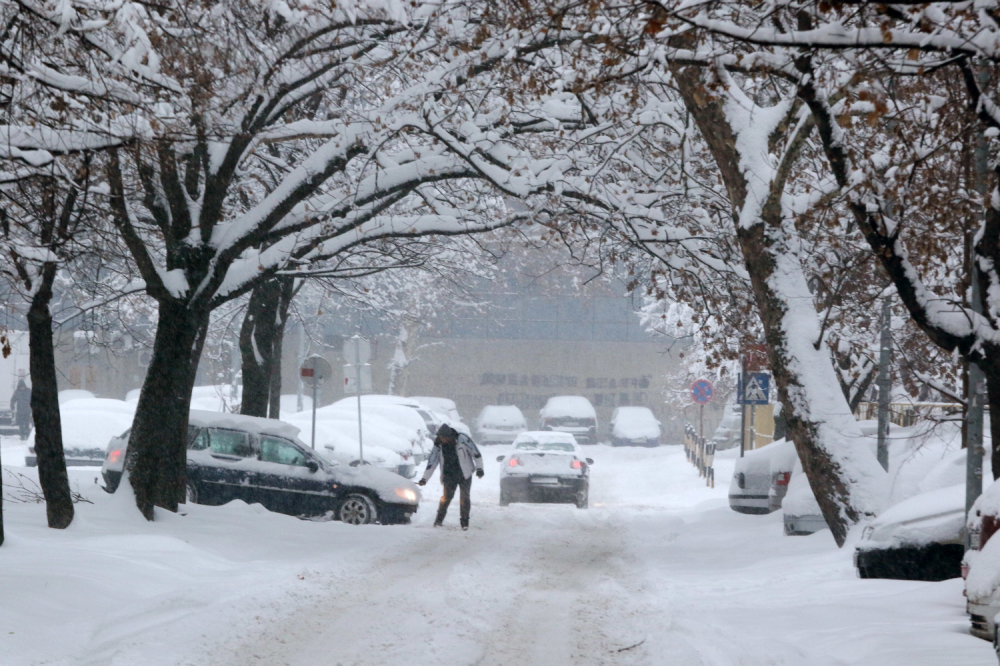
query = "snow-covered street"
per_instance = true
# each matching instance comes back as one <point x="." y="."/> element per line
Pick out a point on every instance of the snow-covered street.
<point x="658" y="571"/>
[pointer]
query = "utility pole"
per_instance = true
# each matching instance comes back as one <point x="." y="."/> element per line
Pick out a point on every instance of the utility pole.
<point x="740" y="394"/>
<point x="884" y="383"/>
<point x="301" y="358"/>
<point x="975" y="384"/>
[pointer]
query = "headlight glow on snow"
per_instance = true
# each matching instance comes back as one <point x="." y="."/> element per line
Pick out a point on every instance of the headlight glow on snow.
<point x="406" y="494"/>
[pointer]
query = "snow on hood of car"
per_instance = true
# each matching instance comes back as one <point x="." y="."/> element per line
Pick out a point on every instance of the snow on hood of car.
<point x="382" y="481"/>
<point x="933" y="517"/>
<point x="573" y="406"/>
<point x="252" y="424"/>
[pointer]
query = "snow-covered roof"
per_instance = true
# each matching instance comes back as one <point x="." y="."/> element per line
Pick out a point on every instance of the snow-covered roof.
<point x="545" y="436"/>
<point x="240" y="422"/>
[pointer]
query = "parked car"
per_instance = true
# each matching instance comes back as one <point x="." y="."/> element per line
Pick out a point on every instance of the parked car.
<point x="385" y="444"/>
<point x="754" y="477"/>
<point x="87" y="425"/>
<point x="401" y="413"/>
<point x="634" y="426"/>
<point x="802" y="515"/>
<point x="545" y="467"/>
<point x="443" y="406"/>
<point x="920" y="538"/>
<point x="572" y="414"/>
<point x="499" y="424"/>
<point x="262" y="461"/>
<point x="981" y="566"/>
<point x="727" y="435"/>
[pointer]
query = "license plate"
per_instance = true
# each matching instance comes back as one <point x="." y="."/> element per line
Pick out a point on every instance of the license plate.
<point x="549" y="480"/>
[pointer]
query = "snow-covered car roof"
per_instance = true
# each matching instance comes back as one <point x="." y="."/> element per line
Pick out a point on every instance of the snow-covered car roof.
<point x="70" y="395"/>
<point x="933" y="517"/>
<point x="252" y="424"/>
<point x="800" y="500"/>
<point x="544" y="436"/>
<point x="635" y="422"/>
<point x="444" y="406"/>
<point x="501" y="415"/>
<point x="569" y="405"/>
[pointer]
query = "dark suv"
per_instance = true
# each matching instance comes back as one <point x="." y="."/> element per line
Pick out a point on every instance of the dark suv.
<point x="261" y="461"/>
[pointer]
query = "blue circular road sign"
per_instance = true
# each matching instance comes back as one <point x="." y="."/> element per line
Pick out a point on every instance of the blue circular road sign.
<point x="702" y="391"/>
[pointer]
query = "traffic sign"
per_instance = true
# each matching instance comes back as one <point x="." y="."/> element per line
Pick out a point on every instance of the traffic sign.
<point x="315" y="371"/>
<point x="702" y="391"/>
<point x="357" y="350"/>
<point x="351" y="379"/>
<point x="757" y="389"/>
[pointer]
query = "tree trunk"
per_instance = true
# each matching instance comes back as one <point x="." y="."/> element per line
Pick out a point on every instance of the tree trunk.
<point x="157" y="460"/>
<point x="45" y="406"/>
<point x="261" y="337"/>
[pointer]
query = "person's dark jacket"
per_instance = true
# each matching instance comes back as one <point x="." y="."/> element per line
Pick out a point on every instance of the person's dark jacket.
<point x="20" y="403"/>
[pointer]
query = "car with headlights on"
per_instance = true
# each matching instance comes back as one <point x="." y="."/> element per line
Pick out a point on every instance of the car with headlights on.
<point x="571" y="414"/>
<point x="262" y="461"/>
<point x="544" y="466"/>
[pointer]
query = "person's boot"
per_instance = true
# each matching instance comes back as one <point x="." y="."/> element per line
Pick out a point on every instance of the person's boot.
<point x="437" y="523"/>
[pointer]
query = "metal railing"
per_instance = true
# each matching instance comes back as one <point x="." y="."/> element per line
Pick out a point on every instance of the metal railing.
<point x="905" y="414"/>
<point x="700" y="452"/>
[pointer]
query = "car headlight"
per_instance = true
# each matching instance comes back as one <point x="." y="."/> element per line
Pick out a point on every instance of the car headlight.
<point x="407" y="494"/>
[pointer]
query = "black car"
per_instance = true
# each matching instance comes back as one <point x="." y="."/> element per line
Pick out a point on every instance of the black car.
<point x="261" y="461"/>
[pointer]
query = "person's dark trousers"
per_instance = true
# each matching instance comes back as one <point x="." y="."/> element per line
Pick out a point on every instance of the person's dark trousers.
<point x="464" y="502"/>
<point x="25" y="428"/>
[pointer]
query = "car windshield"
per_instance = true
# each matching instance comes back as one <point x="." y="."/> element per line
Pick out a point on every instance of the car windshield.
<point x="535" y="445"/>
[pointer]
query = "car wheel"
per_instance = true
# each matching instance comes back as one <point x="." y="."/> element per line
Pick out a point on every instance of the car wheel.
<point x="357" y="509"/>
<point x="582" y="500"/>
<point x="191" y="493"/>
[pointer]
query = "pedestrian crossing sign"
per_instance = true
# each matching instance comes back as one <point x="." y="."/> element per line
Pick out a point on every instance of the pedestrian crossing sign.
<point x="756" y="389"/>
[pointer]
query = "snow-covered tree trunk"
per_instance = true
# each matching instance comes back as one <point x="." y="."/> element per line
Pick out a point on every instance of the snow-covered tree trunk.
<point x="844" y="475"/>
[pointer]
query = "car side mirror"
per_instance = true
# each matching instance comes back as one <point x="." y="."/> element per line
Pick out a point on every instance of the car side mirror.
<point x="499" y="458"/>
<point x="590" y="461"/>
<point x="312" y="465"/>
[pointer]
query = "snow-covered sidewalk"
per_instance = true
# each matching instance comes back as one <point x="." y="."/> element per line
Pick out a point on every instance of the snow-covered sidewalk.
<point x="657" y="571"/>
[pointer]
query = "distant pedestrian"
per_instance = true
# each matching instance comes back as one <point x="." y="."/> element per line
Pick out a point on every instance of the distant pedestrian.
<point x="20" y="404"/>
<point x="458" y="457"/>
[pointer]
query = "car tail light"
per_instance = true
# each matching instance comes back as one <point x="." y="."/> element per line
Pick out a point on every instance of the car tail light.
<point x="514" y="462"/>
<point x="115" y="455"/>
<point x="576" y="464"/>
<point x="782" y="478"/>
<point x="965" y="570"/>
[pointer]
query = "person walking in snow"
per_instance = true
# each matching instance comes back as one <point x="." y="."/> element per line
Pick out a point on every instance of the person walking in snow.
<point x="20" y="404"/>
<point x="458" y="457"/>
